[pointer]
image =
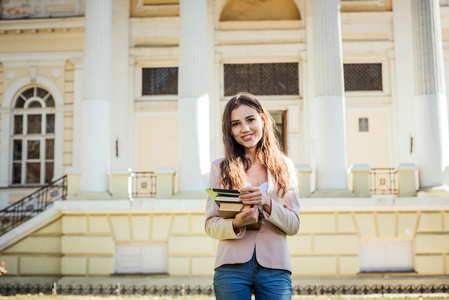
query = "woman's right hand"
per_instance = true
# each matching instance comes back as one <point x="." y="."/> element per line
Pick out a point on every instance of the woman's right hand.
<point x="247" y="217"/>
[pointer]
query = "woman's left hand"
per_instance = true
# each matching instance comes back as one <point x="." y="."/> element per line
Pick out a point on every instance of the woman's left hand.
<point x="255" y="196"/>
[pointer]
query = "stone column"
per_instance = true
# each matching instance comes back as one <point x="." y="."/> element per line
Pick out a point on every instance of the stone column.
<point x="95" y="107"/>
<point x="328" y="96"/>
<point x="430" y="101"/>
<point x="120" y="100"/>
<point x="193" y="102"/>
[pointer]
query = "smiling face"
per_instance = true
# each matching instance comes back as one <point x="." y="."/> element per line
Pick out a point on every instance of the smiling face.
<point x="246" y="127"/>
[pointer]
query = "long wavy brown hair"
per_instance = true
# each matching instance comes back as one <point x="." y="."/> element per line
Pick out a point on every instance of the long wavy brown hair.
<point x="236" y="163"/>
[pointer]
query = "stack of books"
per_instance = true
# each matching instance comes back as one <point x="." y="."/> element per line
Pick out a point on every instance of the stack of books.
<point x="229" y="204"/>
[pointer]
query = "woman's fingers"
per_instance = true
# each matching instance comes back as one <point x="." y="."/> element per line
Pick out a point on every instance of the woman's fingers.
<point x="246" y="217"/>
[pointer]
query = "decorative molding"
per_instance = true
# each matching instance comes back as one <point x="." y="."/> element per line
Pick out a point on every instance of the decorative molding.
<point x="33" y="72"/>
<point x="38" y="26"/>
<point x="145" y="5"/>
<point x="363" y="2"/>
<point x="11" y="75"/>
<point x="13" y="10"/>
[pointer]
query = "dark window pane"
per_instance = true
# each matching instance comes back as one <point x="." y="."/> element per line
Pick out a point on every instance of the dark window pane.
<point x="17" y="150"/>
<point x="33" y="150"/>
<point x="34" y="124"/>
<point x="35" y="104"/>
<point x="48" y="172"/>
<point x="18" y="124"/>
<point x="28" y="93"/>
<point x="363" y="77"/>
<point x="41" y="93"/>
<point x="16" y="173"/>
<point x="49" y="148"/>
<point x="19" y="102"/>
<point x="33" y="173"/>
<point x="50" y="126"/>
<point x="261" y="79"/>
<point x="50" y="102"/>
<point x="159" y="81"/>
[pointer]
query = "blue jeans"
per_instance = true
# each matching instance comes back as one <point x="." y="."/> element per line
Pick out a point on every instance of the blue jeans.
<point x="237" y="281"/>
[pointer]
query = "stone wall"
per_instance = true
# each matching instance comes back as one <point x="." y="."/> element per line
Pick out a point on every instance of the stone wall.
<point x="328" y="243"/>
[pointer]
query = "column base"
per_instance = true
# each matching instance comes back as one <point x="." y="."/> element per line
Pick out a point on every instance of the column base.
<point x="90" y="196"/>
<point x="332" y="194"/>
<point x="437" y="191"/>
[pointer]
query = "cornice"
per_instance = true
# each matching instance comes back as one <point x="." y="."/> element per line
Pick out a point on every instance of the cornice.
<point x="36" y="26"/>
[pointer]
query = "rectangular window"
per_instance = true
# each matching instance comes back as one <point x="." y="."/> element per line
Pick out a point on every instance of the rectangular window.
<point x="380" y="256"/>
<point x="34" y="124"/>
<point x="49" y="167"/>
<point x="50" y="126"/>
<point x="159" y="81"/>
<point x="363" y="77"/>
<point x="141" y="258"/>
<point x="261" y="79"/>
<point x="33" y="173"/>
<point x="16" y="173"/>
<point x="18" y="124"/>
<point x="17" y="150"/>
<point x="33" y="150"/>
<point x="363" y="124"/>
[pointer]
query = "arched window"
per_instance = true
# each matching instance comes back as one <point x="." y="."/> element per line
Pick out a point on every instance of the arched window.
<point x="33" y="137"/>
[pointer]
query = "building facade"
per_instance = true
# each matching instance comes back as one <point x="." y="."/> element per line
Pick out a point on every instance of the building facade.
<point x="97" y="90"/>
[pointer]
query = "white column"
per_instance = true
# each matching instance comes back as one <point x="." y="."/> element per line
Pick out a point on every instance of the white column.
<point x="328" y="97"/>
<point x="430" y="100"/>
<point x="95" y="107"/>
<point x="193" y="102"/>
<point x="403" y="58"/>
<point x="121" y="104"/>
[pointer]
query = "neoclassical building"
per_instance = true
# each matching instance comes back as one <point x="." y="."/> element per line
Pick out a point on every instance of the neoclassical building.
<point x="122" y="100"/>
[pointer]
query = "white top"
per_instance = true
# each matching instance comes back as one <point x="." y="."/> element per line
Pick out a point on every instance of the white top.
<point x="264" y="187"/>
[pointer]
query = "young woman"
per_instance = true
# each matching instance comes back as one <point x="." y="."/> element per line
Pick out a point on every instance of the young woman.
<point x="253" y="260"/>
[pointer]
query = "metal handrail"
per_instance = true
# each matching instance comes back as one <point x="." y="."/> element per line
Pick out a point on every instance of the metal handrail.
<point x="383" y="181"/>
<point x="33" y="204"/>
<point x="142" y="184"/>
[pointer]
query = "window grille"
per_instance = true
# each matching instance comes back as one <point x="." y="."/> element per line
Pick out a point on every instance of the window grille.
<point x="159" y="81"/>
<point x="33" y="137"/>
<point x="382" y="181"/>
<point x="363" y="77"/>
<point x="261" y="79"/>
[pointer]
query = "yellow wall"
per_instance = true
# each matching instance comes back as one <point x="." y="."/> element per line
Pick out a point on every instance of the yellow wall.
<point x="238" y="10"/>
<point x="372" y="147"/>
<point x="157" y="142"/>
<point x="50" y="44"/>
<point x="328" y="243"/>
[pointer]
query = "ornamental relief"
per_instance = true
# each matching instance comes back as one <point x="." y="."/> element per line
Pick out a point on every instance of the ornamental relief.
<point x="37" y="9"/>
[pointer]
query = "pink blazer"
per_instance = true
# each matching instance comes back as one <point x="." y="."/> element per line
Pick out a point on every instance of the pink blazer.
<point x="270" y="241"/>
